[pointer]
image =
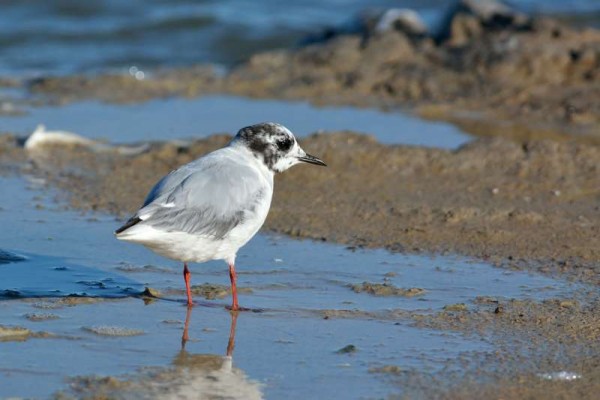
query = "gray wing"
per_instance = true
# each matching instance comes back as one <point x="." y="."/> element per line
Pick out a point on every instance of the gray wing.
<point x="208" y="197"/>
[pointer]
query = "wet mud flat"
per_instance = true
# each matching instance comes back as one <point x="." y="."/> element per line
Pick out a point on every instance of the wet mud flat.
<point x="526" y="208"/>
<point x="327" y="319"/>
<point x="532" y="206"/>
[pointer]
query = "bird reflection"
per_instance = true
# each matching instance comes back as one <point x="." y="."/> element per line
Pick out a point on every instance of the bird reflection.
<point x="231" y="342"/>
<point x="213" y="374"/>
<point x="191" y="376"/>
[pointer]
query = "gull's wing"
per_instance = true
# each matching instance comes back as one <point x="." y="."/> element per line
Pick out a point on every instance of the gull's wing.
<point x="208" y="197"/>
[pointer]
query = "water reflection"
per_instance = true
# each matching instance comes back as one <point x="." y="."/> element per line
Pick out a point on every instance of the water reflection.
<point x="230" y="343"/>
<point x="211" y="375"/>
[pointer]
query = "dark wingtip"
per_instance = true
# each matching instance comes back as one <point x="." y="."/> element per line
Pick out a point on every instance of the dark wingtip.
<point x="131" y="222"/>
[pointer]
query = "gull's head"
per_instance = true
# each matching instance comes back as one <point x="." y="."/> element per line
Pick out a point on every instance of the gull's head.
<point x="274" y="145"/>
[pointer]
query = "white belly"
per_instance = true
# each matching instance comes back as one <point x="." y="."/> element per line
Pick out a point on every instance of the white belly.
<point x="188" y="247"/>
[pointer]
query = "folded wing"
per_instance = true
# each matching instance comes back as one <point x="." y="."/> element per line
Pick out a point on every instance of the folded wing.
<point x="209" y="197"/>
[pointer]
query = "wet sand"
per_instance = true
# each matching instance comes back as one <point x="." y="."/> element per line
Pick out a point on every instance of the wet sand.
<point x="531" y="206"/>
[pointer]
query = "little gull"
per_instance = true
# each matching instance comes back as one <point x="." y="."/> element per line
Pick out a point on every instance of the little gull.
<point x="209" y="208"/>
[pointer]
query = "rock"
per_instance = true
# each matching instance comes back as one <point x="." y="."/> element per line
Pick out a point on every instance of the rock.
<point x="375" y="22"/>
<point x="151" y="292"/>
<point x="347" y="349"/>
<point x="470" y="18"/>
<point x="8" y="257"/>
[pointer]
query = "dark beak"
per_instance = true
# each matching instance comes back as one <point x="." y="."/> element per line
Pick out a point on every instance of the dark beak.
<point x="312" y="160"/>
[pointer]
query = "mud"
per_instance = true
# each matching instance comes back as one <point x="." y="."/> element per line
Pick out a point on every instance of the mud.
<point x="541" y="76"/>
<point x="12" y="333"/>
<point x="38" y="317"/>
<point x="385" y="289"/>
<point x="21" y="334"/>
<point x="554" y="336"/>
<point x="568" y="335"/>
<point x="209" y="291"/>
<point x="188" y="82"/>
<point x="531" y="206"/>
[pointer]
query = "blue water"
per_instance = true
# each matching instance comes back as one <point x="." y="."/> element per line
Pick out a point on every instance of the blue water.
<point x="67" y="36"/>
<point x="168" y="119"/>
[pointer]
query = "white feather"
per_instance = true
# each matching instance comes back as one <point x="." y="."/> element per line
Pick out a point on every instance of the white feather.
<point x="221" y="185"/>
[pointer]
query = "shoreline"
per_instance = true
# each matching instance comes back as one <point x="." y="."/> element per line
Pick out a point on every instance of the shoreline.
<point x="543" y="77"/>
<point x="530" y="206"/>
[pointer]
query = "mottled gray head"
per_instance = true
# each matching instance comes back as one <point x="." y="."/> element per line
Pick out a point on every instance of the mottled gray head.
<point x="275" y="145"/>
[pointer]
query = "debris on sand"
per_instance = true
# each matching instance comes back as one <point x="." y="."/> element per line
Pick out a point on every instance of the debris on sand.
<point x="41" y="138"/>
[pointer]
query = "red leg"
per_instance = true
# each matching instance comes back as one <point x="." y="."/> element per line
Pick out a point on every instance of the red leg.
<point x="185" y="337"/>
<point x="234" y="306"/>
<point x="188" y="290"/>
<point x="231" y="343"/>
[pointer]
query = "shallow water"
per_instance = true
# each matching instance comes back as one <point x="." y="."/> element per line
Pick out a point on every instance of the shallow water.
<point x="67" y="36"/>
<point x="288" y="350"/>
<point x="182" y="118"/>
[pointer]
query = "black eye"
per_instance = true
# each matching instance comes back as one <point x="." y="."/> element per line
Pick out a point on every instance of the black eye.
<point x="285" y="144"/>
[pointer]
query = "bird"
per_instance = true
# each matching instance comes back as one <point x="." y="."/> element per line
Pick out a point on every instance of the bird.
<point x="211" y="207"/>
